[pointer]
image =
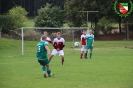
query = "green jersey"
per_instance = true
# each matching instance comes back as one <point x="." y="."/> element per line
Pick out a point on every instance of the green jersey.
<point x="41" y="51"/>
<point x="90" y="39"/>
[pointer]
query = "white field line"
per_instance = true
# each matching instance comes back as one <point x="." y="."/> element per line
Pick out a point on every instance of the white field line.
<point x="111" y="48"/>
<point x="35" y="61"/>
<point x="15" y="63"/>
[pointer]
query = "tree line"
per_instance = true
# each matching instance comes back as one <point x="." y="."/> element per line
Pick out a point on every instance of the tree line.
<point x="31" y="6"/>
<point x="53" y="13"/>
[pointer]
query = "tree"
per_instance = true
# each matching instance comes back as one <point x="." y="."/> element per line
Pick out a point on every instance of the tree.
<point x="49" y="17"/>
<point x="106" y="24"/>
<point x="18" y="17"/>
<point x="5" y="22"/>
<point x="6" y="5"/>
<point x="73" y="16"/>
<point x="14" y="19"/>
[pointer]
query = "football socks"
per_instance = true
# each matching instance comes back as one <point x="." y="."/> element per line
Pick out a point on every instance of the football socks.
<point x="44" y="70"/>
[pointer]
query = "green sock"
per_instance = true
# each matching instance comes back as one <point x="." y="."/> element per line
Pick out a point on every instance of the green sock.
<point x="85" y="54"/>
<point x="44" y="70"/>
<point x="49" y="71"/>
<point x="90" y="55"/>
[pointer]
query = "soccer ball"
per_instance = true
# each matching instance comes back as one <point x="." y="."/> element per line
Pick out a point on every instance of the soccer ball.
<point x="76" y="44"/>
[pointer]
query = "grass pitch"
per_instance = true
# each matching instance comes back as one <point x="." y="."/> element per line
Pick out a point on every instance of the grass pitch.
<point x="111" y="66"/>
<point x="31" y="23"/>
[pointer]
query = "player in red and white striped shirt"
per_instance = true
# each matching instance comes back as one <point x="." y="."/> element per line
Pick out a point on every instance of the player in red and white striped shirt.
<point x="83" y="43"/>
<point x="58" y="44"/>
<point x="45" y="33"/>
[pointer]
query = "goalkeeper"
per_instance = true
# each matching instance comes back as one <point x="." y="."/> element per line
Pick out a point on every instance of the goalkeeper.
<point x="89" y="44"/>
<point x="41" y="55"/>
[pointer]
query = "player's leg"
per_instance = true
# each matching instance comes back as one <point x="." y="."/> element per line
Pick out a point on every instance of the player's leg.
<point x="86" y="52"/>
<point x="54" y="52"/>
<point x="81" y="54"/>
<point x="61" y="53"/>
<point x="51" y="56"/>
<point x="42" y="62"/>
<point x="48" y="67"/>
<point x="82" y="51"/>
<point x="91" y="48"/>
<point x="44" y="71"/>
<point x="62" y="59"/>
<point x="49" y="71"/>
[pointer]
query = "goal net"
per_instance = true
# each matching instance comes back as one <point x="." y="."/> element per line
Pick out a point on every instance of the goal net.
<point x="33" y="34"/>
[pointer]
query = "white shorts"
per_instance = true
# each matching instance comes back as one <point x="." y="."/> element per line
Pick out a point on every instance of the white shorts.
<point x="55" y="52"/>
<point x="83" y="48"/>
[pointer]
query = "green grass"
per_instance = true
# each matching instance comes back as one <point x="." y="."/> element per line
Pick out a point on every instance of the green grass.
<point x="29" y="23"/>
<point x="89" y="24"/>
<point x="111" y="66"/>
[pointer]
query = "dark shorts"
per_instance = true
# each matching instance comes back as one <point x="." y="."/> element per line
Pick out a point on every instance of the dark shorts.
<point x="89" y="47"/>
<point x="43" y="62"/>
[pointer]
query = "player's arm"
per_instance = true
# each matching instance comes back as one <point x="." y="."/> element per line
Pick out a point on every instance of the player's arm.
<point x="50" y="41"/>
<point x="93" y="41"/>
<point x="63" y="44"/>
<point x="41" y="39"/>
<point x="86" y="40"/>
<point x="54" y="44"/>
<point x="48" y="50"/>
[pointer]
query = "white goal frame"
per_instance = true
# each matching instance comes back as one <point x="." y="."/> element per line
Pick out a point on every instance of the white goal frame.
<point x="23" y="28"/>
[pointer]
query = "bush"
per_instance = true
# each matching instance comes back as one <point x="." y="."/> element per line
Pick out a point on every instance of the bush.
<point x="18" y="17"/>
<point x="14" y="19"/>
<point x="49" y="17"/>
<point x="5" y="22"/>
<point x="106" y="25"/>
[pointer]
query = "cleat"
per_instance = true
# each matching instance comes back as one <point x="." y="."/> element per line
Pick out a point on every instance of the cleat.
<point x="45" y="76"/>
<point x="51" y="75"/>
<point x="62" y="63"/>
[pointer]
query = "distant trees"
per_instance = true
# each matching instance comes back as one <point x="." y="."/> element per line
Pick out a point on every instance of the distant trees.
<point x="106" y="9"/>
<point x="6" y="5"/>
<point x="53" y="16"/>
<point x="73" y="16"/>
<point x="5" y="23"/>
<point x="106" y="24"/>
<point x="14" y="19"/>
<point x="30" y="6"/>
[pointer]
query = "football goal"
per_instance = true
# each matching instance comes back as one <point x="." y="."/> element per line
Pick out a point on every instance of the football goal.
<point x="71" y="34"/>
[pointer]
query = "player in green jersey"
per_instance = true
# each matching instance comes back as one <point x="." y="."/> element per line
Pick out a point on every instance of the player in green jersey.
<point x="41" y="55"/>
<point x="89" y="43"/>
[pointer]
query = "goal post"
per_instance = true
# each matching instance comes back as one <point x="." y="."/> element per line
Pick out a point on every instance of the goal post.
<point x="71" y="31"/>
<point x="22" y="34"/>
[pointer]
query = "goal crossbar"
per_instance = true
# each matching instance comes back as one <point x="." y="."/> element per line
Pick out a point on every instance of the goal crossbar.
<point x="54" y="28"/>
